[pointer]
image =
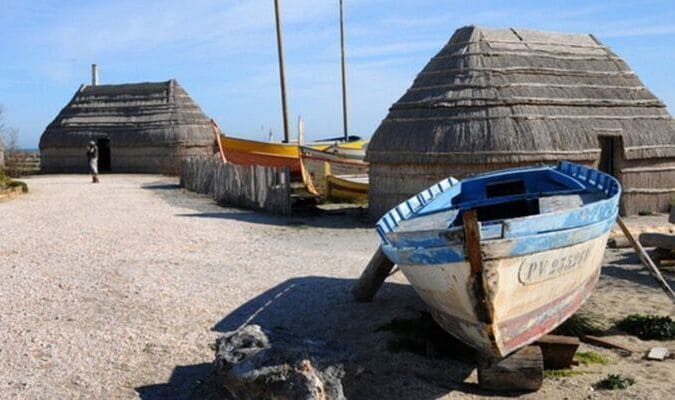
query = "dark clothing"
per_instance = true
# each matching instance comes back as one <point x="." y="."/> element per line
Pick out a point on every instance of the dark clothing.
<point x="92" y="152"/>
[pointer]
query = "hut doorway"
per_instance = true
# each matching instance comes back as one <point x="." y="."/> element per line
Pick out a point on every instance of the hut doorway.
<point x="104" y="161"/>
<point x="610" y="148"/>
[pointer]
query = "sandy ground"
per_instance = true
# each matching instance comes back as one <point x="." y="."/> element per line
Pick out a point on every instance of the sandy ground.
<point x="117" y="290"/>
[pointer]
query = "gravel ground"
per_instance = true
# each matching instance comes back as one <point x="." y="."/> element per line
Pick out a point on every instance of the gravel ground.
<point x="117" y="290"/>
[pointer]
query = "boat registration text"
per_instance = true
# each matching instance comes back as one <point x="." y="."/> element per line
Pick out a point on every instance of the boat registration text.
<point x="542" y="267"/>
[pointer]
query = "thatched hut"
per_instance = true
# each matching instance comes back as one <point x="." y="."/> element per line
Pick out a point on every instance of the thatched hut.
<point x="503" y="98"/>
<point x="140" y="127"/>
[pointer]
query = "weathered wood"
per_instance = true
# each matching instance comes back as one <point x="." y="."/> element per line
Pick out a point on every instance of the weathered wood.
<point x="472" y="242"/>
<point x="372" y="277"/>
<point x="651" y="267"/>
<point x="601" y="342"/>
<point x="282" y="75"/>
<point x="521" y="371"/>
<point x="558" y="351"/>
<point x="249" y="186"/>
<point x="666" y="263"/>
<point x="618" y="242"/>
<point x="660" y="240"/>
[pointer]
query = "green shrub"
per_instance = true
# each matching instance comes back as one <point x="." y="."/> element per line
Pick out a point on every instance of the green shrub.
<point x="8" y="183"/>
<point x="15" y="184"/>
<point x="580" y="325"/>
<point x="615" y="381"/>
<point x="648" y="327"/>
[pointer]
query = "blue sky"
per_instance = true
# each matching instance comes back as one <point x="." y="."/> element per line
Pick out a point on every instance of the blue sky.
<point x="224" y="52"/>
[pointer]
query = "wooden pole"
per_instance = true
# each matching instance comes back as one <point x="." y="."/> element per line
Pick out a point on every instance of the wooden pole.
<point x="344" y="76"/>
<point x="372" y="277"/>
<point x="216" y="132"/>
<point x="651" y="267"/>
<point x="301" y="130"/>
<point x="282" y="75"/>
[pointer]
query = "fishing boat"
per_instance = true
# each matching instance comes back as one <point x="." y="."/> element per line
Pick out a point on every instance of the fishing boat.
<point x="504" y="257"/>
<point x="322" y="164"/>
<point x="252" y="152"/>
<point x="352" y="188"/>
<point x="355" y="149"/>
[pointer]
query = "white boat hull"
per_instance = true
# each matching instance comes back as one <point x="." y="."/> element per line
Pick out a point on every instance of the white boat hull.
<point x="320" y="165"/>
<point x="526" y="296"/>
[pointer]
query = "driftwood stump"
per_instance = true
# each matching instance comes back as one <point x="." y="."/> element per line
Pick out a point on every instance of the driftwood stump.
<point x="372" y="277"/>
<point x="520" y="371"/>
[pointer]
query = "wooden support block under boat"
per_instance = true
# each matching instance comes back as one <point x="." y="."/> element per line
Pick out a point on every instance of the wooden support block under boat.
<point x="520" y="371"/>
<point x="660" y="240"/>
<point x="558" y="351"/>
<point x="372" y="277"/>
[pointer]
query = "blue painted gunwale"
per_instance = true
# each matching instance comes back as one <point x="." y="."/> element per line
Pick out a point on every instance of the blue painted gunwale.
<point x="504" y="238"/>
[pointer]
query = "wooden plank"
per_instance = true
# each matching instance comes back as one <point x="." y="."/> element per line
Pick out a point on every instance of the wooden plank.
<point x="660" y="240"/>
<point x="558" y="351"/>
<point x="651" y="267"/>
<point x="372" y="277"/>
<point x="520" y="371"/>
<point x="475" y="258"/>
<point x="608" y="344"/>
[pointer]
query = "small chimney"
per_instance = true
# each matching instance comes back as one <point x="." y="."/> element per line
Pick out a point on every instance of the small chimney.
<point x="94" y="74"/>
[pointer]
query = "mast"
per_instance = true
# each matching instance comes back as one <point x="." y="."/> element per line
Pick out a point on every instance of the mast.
<point x="282" y="79"/>
<point x="344" y="75"/>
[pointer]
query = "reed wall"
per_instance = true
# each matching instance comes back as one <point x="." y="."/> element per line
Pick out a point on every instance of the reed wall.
<point x="140" y="159"/>
<point x="648" y="185"/>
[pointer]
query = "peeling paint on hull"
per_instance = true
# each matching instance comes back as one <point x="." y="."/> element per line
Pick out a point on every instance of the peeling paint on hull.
<point x="521" y="312"/>
<point x="501" y="282"/>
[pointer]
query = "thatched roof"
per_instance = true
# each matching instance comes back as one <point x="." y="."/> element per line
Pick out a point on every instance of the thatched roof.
<point x="512" y="95"/>
<point x="151" y="113"/>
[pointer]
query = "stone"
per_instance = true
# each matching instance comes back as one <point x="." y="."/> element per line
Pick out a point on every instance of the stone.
<point x="256" y="364"/>
<point x="657" y="353"/>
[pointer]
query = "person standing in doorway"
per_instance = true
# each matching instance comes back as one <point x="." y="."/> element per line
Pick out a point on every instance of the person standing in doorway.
<point x="92" y="155"/>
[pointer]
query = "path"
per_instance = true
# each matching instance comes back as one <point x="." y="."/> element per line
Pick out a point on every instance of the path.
<point x="106" y="288"/>
<point x="117" y="290"/>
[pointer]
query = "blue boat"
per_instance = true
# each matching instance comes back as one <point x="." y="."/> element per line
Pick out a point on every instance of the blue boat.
<point x="503" y="258"/>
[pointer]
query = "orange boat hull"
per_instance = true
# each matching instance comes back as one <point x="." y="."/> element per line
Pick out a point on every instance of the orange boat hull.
<point x="269" y="160"/>
<point x="251" y="152"/>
